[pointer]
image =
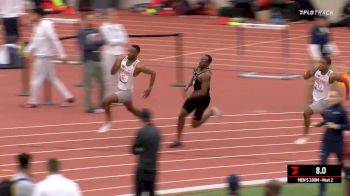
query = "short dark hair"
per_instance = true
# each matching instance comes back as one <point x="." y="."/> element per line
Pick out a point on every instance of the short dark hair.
<point x="327" y="59"/>
<point x="23" y="160"/>
<point x="145" y="115"/>
<point x="210" y="59"/>
<point x="137" y="47"/>
<point x="39" y="11"/>
<point x="53" y="165"/>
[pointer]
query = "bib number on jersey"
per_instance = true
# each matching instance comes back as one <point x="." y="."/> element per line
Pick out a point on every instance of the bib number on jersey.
<point x="319" y="87"/>
<point x="123" y="78"/>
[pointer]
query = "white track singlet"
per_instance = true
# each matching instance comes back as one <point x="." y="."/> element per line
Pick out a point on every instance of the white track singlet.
<point x="321" y="85"/>
<point x="126" y="75"/>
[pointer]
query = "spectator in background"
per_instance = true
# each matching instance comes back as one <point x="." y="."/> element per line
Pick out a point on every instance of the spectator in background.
<point x="344" y="21"/>
<point x="181" y="7"/>
<point x="23" y="185"/>
<point x="233" y="185"/>
<point x="202" y="7"/>
<point x="42" y="43"/>
<point x="178" y="7"/>
<point x="116" y="38"/>
<point x="238" y="9"/>
<point x="55" y="184"/>
<point x="320" y="42"/>
<point x="273" y="188"/>
<point x="11" y="11"/>
<point x="335" y="122"/>
<point x="263" y="10"/>
<point x="146" y="146"/>
<point x="91" y="42"/>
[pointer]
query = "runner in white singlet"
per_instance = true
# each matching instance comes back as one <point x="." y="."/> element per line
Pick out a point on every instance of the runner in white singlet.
<point x="324" y="78"/>
<point x="321" y="85"/>
<point x="126" y="69"/>
<point x="126" y="75"/>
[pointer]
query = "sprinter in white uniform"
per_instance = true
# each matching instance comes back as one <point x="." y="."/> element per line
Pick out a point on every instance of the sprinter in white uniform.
<point x="127" y="69"/>
<point x="116" y="38"/>
<point x="324" y="78"/>
<point x="42" y="43"/>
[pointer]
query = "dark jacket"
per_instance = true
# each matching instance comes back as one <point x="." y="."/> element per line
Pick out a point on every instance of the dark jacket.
<point x="146" y="145"/>
<point x="334" y="138"/>
<point x="319" y="35"/>
<point x="90" y="49"/>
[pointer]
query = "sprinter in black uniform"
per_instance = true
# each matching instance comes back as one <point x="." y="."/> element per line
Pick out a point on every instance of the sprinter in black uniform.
<point x="198" y="101"/>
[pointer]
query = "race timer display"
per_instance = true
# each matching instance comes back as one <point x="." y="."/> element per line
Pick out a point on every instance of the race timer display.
<point x="314" y="174"/>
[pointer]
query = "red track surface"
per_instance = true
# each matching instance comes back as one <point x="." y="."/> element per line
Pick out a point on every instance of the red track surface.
<point x="254" y="139"/>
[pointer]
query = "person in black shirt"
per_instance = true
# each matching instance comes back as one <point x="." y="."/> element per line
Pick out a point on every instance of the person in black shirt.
<point x="198" y="101"/>
<point x="146" y="145"/>
<point x="335" y="122"/>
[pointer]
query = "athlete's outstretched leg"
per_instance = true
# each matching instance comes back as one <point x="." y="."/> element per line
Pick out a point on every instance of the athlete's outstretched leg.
<point x="107" y="102"/>
<point x="197" y="121"/>
<point x="180" y="127"/>
<point x="307" y="120"/>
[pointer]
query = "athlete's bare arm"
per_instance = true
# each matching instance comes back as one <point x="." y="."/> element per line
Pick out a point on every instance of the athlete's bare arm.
<point x="116" y="66"/>
<point x="143" y="69"/>
<point x="310" y="73"/>
<point x="205" y="79"/>
<point x="190" y="83"/>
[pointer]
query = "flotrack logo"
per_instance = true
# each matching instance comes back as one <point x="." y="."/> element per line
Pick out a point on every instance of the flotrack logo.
<point x="316" y="12"/>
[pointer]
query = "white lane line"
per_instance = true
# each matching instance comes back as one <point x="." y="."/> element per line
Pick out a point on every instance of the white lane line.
<point x="135" y="128"/>
<point x="198" y="168"/>
<point x="164" y="143"/>
<point x="186" y="133"/>
<point x="201" y="168"/>
<point x="182" y="160"/>
<point x="163" y="152"/>
<point x="136" y="120"/>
